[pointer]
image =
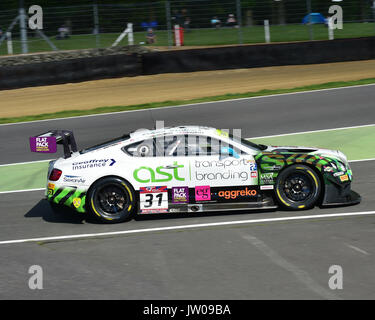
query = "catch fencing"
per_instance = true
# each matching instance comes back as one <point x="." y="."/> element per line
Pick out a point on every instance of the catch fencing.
<point x="98" y="24"/>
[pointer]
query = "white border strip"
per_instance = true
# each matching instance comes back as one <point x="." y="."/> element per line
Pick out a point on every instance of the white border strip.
<point x="192" y="104"/>
<point x="189" y="226"/>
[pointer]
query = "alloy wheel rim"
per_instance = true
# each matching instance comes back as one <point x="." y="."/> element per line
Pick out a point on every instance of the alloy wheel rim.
<point x="298" y="187"/>
<point x="112" y="199"/>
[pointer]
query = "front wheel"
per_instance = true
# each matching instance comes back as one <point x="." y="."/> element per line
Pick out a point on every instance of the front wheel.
<point x="298" y="187"/>
<point x="112" y="200"/>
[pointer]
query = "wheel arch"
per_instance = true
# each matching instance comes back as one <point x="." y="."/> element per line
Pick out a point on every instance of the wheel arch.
<point x="316" y="170"/>
<point x="110" y="176"/>
<point x="132" y="191"/>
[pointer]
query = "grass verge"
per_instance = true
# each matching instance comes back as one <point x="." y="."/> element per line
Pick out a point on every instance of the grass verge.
<point x="73" y="113"/>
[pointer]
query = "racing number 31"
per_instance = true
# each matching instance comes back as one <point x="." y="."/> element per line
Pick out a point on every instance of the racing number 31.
<point x="153" y="199"/>
<point x="150" y="198"/>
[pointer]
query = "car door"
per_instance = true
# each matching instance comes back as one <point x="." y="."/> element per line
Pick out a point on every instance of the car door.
<point x="221" y="172"/>
<point x="156" y="168"/>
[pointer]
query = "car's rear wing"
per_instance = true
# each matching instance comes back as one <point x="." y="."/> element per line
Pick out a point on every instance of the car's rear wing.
<point x="64" y="137"/>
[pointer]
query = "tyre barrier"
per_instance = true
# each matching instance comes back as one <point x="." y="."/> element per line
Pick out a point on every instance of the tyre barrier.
<point x="263" y="55"/>
<point x="177" y="61"/>
<point x="69" y="70"/>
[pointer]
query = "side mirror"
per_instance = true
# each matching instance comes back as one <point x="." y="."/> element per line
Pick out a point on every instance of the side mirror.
<point x="228" y="152"/>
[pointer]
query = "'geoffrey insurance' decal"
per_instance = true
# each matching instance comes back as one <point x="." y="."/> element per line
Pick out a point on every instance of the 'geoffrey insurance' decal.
<point x="96" y="163"/>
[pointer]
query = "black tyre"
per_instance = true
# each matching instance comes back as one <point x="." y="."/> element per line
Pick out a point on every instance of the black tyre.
<point x="111" y="200"/>
<point x="298" y="187"/>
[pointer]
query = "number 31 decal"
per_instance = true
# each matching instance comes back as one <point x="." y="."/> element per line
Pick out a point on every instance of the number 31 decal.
<point x="150" y="198"/>
<point x="153" y="199"/>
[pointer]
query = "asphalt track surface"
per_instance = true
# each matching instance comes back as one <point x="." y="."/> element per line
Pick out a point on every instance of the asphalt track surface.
<point x="269" y="260"/>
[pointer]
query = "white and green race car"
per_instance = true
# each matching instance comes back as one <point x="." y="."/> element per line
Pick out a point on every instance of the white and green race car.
<point x="193" y="169"/>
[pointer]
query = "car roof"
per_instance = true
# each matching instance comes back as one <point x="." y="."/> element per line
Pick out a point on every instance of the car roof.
<point x="146" y="133"/>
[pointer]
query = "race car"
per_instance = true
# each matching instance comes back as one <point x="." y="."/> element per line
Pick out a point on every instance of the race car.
<point x="193" y="169"/>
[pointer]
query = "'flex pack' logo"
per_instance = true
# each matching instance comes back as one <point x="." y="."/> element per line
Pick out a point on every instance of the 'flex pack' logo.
<point x="43" y="144"/>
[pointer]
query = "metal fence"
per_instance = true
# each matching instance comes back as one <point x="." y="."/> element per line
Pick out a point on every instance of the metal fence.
<point x="97" y="24"/>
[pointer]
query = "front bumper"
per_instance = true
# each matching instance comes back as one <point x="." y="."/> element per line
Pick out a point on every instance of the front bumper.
<point x="340" y="195"/>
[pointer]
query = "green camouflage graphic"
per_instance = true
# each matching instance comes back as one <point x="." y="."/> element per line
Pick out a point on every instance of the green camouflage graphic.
<point x="270" y="163"/>
<point x="68" y="196"/>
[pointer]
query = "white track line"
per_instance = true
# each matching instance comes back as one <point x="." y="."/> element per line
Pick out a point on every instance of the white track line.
<point x="192" y="104"/>
<point x="189" y="226"/>
<point x="313" y="131"/>
<point x="28" y="162"/>
<point x="25" y="190"/>
<point x="360" y="160"/>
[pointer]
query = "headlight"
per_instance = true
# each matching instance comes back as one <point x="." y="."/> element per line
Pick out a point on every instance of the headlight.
<point x="341" y="166"/>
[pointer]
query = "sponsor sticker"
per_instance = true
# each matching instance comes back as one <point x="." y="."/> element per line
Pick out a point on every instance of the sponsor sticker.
<point x="95" y="163"/>
<point x="266" y="178"/>
<point x="74" y="179"/>
<point x="253" y="165"/>
<point x="235" y="194"/>
<point x="203" y="193"/>
<point x="153" y="199"/>
<point x="43" y="144"/>
<point x="235" y="170"/>
<point x="337" y="174"/>
<point x="344" y="178"/>
<point x="159" y="174"/>
<point x="270" y="187"/>
<point x="77" y="202"/>
<point x="272" y="168"/>
<point x="50" y="188"/>
<point x="180" y="195"/>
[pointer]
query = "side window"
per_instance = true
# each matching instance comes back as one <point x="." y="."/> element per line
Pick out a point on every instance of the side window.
<point x="203" y="146"/>
<point x="182" y="145"/>
<point x="194" y="145"/>
<point x="145" y="148"/>
<point x="179" y="146"/>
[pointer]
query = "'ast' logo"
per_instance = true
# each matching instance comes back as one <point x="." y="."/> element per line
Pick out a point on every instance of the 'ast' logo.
<point x="160" y="174"/>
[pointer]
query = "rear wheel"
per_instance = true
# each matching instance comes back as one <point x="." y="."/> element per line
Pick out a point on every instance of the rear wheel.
<point x="298" y="187"/>
<point x="112" y="200"/>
